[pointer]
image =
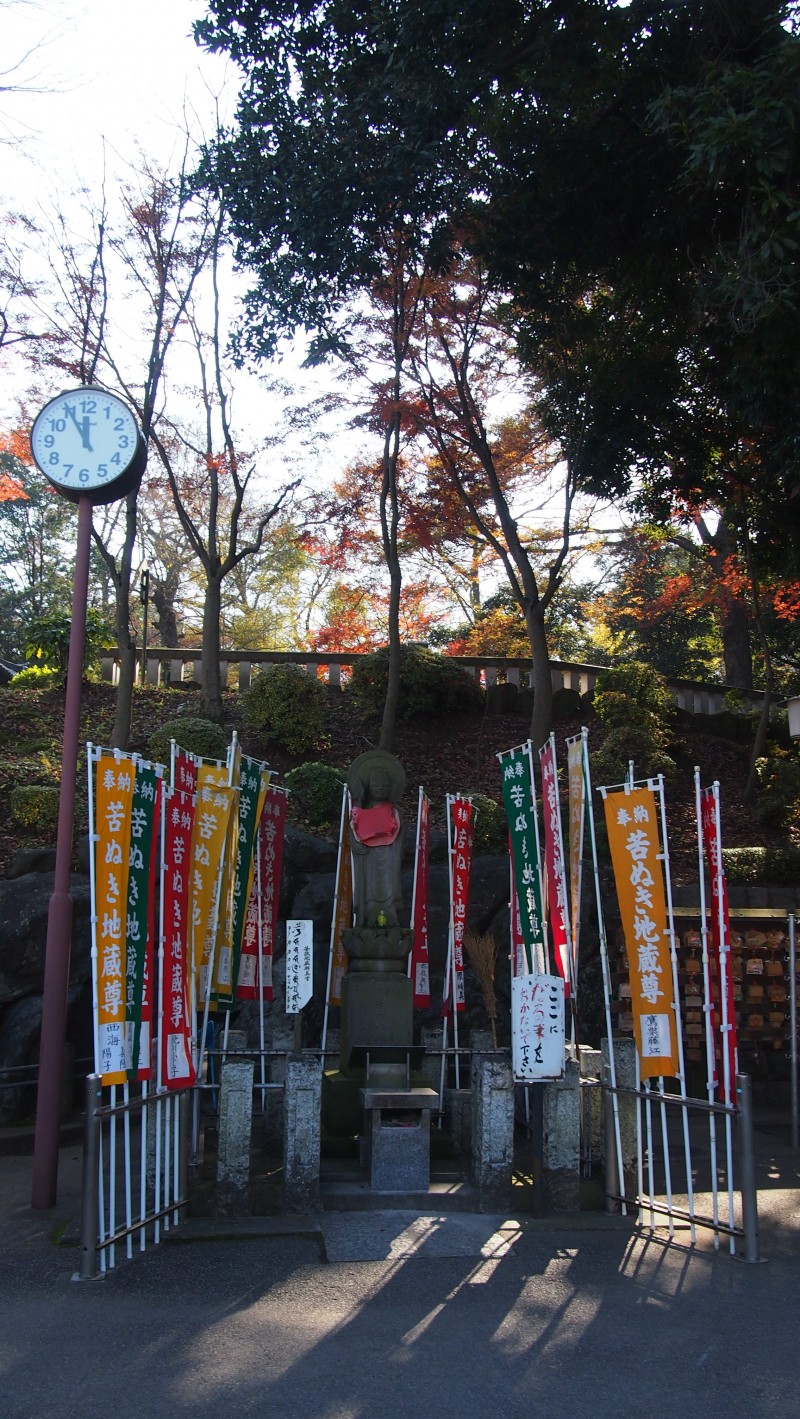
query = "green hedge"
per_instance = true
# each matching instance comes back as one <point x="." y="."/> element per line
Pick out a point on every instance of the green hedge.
<point x="775" y="866"/>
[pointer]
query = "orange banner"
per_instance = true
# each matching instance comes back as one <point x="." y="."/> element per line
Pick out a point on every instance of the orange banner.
<point x="113" y="800"/>
<point x="632" y="823"/>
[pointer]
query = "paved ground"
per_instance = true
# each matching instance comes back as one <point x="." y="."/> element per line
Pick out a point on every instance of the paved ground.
<point x="389" y="1315"/>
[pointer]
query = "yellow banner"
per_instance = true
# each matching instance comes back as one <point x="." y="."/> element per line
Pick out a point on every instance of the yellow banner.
<point x="632" y="823"/>
<point x="114" y="782"/>
<point x="212" y="820"/>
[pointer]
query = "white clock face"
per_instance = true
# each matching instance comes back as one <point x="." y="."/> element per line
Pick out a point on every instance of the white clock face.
<point x="84" y="440"/>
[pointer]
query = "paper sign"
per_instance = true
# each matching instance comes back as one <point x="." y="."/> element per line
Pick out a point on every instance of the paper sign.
<point x="537" y="1028"/>
<point x="299" y="965"/>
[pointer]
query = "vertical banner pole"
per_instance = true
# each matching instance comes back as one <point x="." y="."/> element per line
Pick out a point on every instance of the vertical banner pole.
<point x="605" y="969"/>
<point x="676" y="1003"/>
<point x="334" y="919"/>
<point x="260" y="965"/>
<point x="708" y="1008"/>
<point x="728" y="1025"/>
<point x="793" y="1018"/>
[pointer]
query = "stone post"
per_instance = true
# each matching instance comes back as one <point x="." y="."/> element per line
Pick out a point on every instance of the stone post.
<point x="562" y="1139"/>
<point x="492" y="1130"/>
<point x="591" y="1062"/>
<point x="625" y="1062"/>
<point x="235" y="1121"/>
<point x="302" y="1132"/>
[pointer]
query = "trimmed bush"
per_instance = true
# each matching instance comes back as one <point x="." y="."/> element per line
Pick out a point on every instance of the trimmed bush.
<point x="490" y="826"/>
<point x="197" y="736"/>
<point x="638" y="711"/>
<point x="288" y="706"/>
<point x="775" y="866"/>
<point x="432" y="686"/>
<point x="316" y="792"/>
<point x="778" y="776"/>
<point x="35" y="807"/>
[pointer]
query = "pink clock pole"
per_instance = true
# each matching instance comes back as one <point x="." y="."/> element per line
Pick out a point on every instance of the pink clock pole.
<point x="59" y="919"/>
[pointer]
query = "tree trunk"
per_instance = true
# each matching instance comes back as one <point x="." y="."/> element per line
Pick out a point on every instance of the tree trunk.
<point x="736" y="650"/>
<point x="166" y="617"/>
<point x="126" y="646"/>
<point x="210" y="684"/>
<point x="542" y="717"/>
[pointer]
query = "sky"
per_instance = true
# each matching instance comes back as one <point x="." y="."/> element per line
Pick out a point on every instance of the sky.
<point x="91" y="84"/>
<point x="94" y="78"/>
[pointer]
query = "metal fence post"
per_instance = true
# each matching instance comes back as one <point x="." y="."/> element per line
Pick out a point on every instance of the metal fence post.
<point x="91" y="1171"/>
<point x="747" y="1169"/>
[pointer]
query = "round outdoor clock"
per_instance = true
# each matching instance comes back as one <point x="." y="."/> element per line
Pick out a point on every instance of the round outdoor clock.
<point x="88" y="444"/>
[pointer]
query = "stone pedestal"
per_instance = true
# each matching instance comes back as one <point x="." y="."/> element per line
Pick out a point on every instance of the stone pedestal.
<point x="301" y="1134"/>
<point x="562" y="1139"/>
<point x="377" y="996"/>
<point x="398" y="1138"/>
<point x="492" y="1130"/>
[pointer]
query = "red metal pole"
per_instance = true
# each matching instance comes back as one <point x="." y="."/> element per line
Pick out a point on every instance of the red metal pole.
<point x="59" y="919"/>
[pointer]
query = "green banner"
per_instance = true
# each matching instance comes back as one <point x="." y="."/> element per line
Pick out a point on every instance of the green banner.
<point x="140" y="886"/>
<point x="519" y="798"/>
<point x="253" y="784"/>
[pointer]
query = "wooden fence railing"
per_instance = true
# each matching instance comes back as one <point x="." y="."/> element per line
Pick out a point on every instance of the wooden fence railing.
<point x="170" y="666"/>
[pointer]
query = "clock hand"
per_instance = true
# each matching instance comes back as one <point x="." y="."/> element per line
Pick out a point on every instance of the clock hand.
<point x="87" y="424"/>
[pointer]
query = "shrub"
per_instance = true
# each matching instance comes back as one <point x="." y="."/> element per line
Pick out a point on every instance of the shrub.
<point x="432" y="686"/>
<point x="34" y="676"/>
<point x="610" y="762"/>
<point x="635" y="706"/>
<point x="490" y="824"/>
<point x="777" y="866"/>
<point x="194" y="734"/>
<point x="778" y="774"/>
<point x="48" y="637"/>
<point x="35" y="807"/>
<point x="288" y="706"/>
<point x="316" y="791"/>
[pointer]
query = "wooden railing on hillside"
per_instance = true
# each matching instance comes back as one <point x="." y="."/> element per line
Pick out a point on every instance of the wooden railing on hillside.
<point x="169" y="666"/>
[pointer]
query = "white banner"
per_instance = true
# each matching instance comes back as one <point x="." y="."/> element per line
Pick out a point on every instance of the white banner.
<point x="537" y="1028"/>
<point x="299" y="965"/>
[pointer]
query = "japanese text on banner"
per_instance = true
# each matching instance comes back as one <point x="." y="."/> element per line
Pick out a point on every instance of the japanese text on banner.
<point x="113" y="800"/>
<point x="632" y="824"/>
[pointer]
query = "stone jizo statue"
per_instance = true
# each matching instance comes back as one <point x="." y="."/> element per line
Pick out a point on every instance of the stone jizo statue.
<point x="376" y="781"/>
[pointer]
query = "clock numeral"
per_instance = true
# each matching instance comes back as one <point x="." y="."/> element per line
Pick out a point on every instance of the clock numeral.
<point x="68" y="467"/>
<point x="102" y="470"/>
<point x="84" y="475"/>
<point x="54" y="460"/>
<point x="57" y="425"/>
<point x="124" y="441"/>
<point x="49" y="440"/>
<point x="115" y="458"/>
<point x="89" y="406"/>
<point x="119" y="425"/>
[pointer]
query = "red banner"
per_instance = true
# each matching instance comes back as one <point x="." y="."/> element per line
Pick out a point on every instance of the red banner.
<point x="460" y="869"/>
<point x="723" y="1020"/>
<point x="262" y="908"/>
<point x="177" y="1065"/>
<point x="184" y="771"/>
<point x="419" y="965"/>
<point x="554" y="864"/>
<point x="148" y="993"/>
